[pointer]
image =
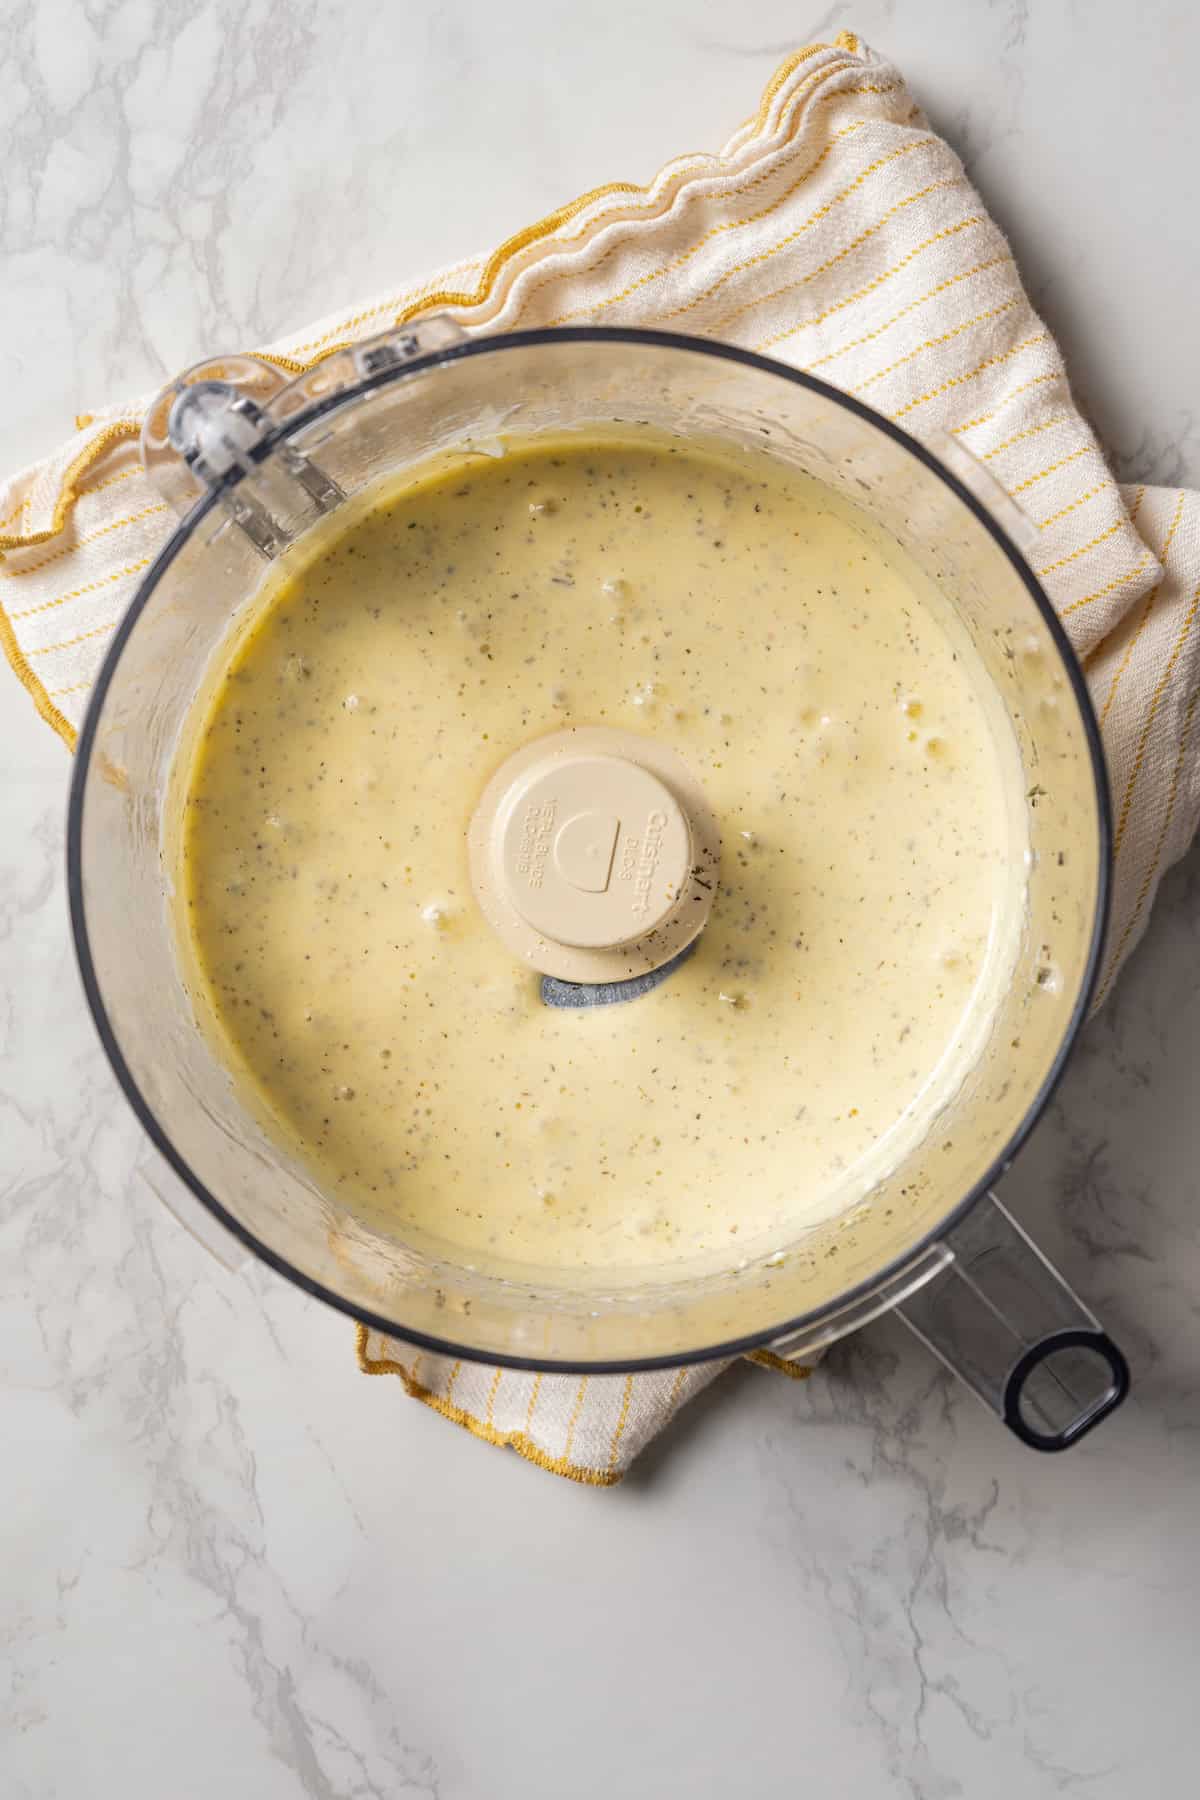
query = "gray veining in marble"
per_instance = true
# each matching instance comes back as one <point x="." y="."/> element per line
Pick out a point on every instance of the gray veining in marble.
<point x="231" y="1563"/>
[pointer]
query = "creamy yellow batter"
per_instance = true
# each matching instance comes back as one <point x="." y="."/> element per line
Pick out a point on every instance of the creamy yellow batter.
<point x="869" y="899"/>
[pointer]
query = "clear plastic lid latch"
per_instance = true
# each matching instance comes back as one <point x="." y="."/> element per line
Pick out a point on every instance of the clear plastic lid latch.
<point x="204" y="432"/>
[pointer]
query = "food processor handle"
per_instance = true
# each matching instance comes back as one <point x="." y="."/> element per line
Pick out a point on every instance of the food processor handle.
<point x="1001" y="1317"/>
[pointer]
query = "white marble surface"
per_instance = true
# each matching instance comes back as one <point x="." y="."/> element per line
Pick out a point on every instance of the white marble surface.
<point x="230" y="1563"/>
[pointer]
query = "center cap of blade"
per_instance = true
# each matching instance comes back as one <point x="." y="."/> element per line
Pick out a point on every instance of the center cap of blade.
<point x="594" y="854"/>
<point x="595" y="851"/>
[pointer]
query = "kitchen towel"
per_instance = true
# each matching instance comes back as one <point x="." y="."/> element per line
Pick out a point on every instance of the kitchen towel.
<point x="837" y="232"/>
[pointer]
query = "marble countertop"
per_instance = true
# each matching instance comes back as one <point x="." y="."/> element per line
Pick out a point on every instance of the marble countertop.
<point x="231" y="1563"/>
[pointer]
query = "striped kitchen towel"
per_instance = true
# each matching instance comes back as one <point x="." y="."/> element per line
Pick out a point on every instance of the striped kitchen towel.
<point x="834" y="231"/>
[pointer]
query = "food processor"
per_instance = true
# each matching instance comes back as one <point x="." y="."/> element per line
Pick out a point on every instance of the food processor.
<point x="252" y="455"/>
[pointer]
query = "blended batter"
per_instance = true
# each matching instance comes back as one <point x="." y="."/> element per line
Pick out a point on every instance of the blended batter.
<point x="865" y="918"/>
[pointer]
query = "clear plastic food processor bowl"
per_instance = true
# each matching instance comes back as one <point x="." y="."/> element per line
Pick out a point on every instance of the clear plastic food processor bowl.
<point x="250" y="460"/>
